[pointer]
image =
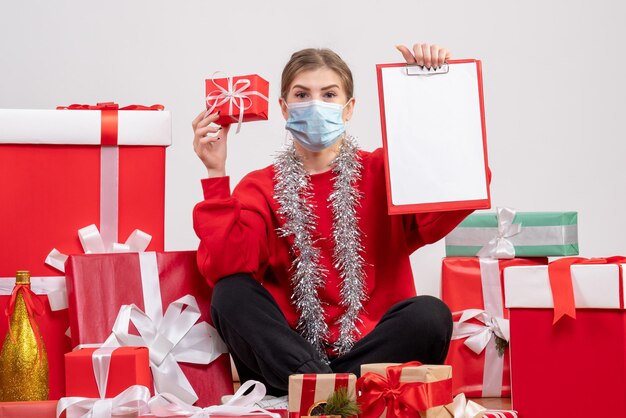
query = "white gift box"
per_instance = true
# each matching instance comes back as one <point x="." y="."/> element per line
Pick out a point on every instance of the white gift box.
<point x="83" y="127"/>
<point x="595" y="286"/>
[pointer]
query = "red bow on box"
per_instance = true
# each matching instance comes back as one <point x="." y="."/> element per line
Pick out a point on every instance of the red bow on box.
<point x="34" y="307"/>
<point x="109" y="117"/>
<point x="402" y="399"/>
<point x="561" y="282"/>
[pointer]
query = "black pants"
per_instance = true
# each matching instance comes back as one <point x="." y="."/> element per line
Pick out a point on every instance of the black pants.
<point x="265" y="348"/>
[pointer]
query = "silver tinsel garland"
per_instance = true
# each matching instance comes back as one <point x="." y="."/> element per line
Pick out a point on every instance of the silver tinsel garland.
<point x="293" y="192"/>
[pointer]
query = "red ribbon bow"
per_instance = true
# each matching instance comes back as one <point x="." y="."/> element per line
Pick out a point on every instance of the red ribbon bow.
<point x="33" y="307"/>
<point x="108" y="135"/>
<point x="561" y="282"/>
<point x="402" y="399"/>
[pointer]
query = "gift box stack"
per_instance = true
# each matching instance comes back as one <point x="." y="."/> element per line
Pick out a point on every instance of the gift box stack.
<point x="530" y="329"/>
<point x="76" y="181"/>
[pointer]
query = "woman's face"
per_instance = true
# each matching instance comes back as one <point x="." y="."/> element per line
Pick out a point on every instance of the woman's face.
<point x="322" y="84"/>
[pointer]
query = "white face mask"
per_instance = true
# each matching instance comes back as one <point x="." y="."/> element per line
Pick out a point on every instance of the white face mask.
<point x="315" y="124"/>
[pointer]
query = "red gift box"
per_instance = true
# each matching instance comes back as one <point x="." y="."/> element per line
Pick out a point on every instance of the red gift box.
<point x="562" y="369"/>
<point x="239" y="99"/>
<point x="54" y="173"/>
<point x="463" y="289"/>
<point x="99" y="284"/>
<point x="51" y="169"/>
<point x="36" y="409"/>
<point x="128" y="366"/>
<point x="52" y="325"/>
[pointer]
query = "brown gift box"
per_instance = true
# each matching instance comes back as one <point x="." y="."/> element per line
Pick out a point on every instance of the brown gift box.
<point x="307" y="390"/>
<point x="425" y="373"/>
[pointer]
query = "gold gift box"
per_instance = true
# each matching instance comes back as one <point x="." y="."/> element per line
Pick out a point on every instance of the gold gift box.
<point x="425" y="373"/>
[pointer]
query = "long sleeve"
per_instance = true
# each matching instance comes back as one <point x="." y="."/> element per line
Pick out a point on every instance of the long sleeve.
<point x="426" y="228"/>
<point x="233" y="229"/>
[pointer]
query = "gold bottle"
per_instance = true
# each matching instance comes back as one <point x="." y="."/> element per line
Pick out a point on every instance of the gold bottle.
<point x="23" y="359"/>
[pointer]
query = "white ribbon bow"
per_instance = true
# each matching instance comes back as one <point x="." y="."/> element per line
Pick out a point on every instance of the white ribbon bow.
<point x="477" y="335"/>
<point x="235" y="95"/>
<point x="171" y="339"/>
<point x="462" y="408"/>
<point x="133" y="400"/>
<point x="166" y="404"/>
<point x="499" y="246"/>
<point x="93" y="243"/>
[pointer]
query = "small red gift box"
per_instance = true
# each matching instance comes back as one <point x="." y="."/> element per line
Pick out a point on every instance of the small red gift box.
<point x="391" y="390"/>
<point x="99" y="284"/>
<point x="239" y="99"/>
<point x="561" y="367"/>
<point x="473" y="287"/>
<point x="128" y="366"/>
<point x="308" y="390"/>
<point x="36" y="409"/>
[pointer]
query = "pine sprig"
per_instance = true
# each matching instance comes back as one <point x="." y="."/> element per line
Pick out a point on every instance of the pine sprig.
<point x="340" y="403"/>
<point x="501" y="345"/>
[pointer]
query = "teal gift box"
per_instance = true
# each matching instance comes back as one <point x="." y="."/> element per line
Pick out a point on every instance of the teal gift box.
<point x="508" y="234"/>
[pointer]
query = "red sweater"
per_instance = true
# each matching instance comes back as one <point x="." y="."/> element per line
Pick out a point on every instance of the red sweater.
<point x="238" y="235"/>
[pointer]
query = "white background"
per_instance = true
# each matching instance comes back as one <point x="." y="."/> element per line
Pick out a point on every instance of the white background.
<point x="553" y="80"/>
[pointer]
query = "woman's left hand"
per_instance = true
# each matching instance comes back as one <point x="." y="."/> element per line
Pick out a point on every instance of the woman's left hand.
<point x="425" y="55"/>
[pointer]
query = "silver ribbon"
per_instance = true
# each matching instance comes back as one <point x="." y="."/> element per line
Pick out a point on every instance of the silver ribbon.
<point x="167" y="405"/>
<point x="500" y="246"/>
<point x="235" y="95"/>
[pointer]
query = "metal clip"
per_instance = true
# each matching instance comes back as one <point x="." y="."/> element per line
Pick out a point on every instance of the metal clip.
<point x="414" y="69"/>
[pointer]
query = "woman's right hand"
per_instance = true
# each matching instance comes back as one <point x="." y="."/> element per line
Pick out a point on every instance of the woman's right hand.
<point x="209" y="143"/>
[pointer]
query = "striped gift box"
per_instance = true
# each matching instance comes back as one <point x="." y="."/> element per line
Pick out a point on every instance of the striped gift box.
<point x="541" y="234"/>
<point x="306" y="391"/>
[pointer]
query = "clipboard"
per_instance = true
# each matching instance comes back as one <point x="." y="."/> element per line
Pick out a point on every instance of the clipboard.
<point x="434" y="137"/>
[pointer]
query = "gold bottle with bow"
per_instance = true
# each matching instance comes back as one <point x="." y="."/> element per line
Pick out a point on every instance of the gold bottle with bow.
<point x="23" y="358"/>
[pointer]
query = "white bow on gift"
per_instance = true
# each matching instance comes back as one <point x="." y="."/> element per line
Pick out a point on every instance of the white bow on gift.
<point x="235" y="95"/>
<point x="133" y="400"/>
<point x="477" y="335"/>
<point x="462" y="408"/>
<point x="500" y="246"/>
<point x="172" y="338"/>
<point x="93" y="243"/>
<point x="166" y="405"/>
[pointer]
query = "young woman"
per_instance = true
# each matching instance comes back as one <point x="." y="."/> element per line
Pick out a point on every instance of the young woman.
<point x="310" y="273"/>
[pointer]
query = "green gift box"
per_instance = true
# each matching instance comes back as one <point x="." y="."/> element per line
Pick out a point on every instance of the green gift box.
<point x="508" y="234"/>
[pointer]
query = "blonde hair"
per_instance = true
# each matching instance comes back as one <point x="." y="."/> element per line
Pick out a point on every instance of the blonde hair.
<point x="312" y="59"/>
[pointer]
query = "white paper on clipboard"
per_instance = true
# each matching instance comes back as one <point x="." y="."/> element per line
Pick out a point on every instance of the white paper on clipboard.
<point x="434" y="135"/>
